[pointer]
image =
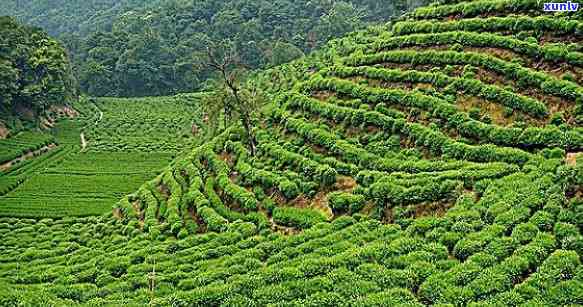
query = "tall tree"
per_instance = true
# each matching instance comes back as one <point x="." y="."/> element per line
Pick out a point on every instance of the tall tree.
<point x="224" y="60"/>
<point x="34" y="69"/>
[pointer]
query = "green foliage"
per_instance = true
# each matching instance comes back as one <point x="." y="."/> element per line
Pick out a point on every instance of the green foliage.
<point x="132" y="48"/>
<point x="295" y="217"/>
<point x="345" y="202"/>
<point x="23" y="143"/>
<point x="376" y="181"/>
<point x="34" y="70"/>
<point x="128" y="143"/>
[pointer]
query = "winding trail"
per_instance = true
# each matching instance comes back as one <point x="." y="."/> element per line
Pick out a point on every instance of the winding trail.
<point x="100" y="115"/>
<point x="82" y="135"/>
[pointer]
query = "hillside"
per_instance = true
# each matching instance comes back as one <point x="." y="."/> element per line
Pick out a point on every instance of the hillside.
<point x="434" y="161"/>
<point x="146" y="48"/>
<point x="65" y="17"/>
<point x="35" y="76"/>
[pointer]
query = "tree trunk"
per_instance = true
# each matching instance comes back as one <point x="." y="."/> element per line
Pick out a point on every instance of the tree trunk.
<point x="245" y="119"/>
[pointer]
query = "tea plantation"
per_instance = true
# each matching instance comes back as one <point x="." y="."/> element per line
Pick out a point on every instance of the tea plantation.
<point x="436" y="160"/>
<point x="126" y="143"/>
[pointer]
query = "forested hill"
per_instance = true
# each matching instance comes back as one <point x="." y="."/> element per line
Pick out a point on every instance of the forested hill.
<point x="35" y="73"/>
<point x="79" y="17"/>
<point x="140" y="48"/>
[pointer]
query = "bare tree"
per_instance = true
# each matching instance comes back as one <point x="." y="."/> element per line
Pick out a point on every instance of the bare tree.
<point x="224" y="60"/>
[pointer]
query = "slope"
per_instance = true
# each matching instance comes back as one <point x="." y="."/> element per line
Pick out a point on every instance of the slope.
<point x="421" y="165"/>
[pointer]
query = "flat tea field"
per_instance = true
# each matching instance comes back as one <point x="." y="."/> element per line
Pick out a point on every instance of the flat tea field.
<point x="88" y="163"/>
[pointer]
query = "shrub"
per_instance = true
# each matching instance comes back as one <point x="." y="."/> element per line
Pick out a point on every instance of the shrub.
<point x="341" y="202"/>
<point x="289" y="189"/>
<point x="296" y="217"/>
<point x="213" y="220"/>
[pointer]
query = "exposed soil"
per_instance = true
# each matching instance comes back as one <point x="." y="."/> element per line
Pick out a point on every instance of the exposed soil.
<point x="278" y="198"/>
<point x="320" y="203"/>
<point x="7" y="165"/>
<point x="227" y="157"/>
<point x="56" y="112"/>
<point x="283" y="229"/>
<point x="64" y="111"/>
<point x="432" y="209"/>
<point x="141" y="215"/>
<point x="388" y="215"/>
<point x="83" y="142"/>
<point x="345" y="183"/>
<point x="319" y="149"/>
<point x="4" y="132"/>
<point x="300" y="202"/>
<point x="490" y="77"/>
<point x="368" y="208"/>
<point x="323" y="95"/>
<point x="117" y="213"/>
<point x="46" y="123"/>
<point x="571" y="158"/>
<point x="496" y="111"/>
<point x="164" y="191"/>
<point x="550" y="37"/>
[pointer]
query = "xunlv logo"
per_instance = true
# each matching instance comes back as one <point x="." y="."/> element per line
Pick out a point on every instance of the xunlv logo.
<point x="561" y="7"/>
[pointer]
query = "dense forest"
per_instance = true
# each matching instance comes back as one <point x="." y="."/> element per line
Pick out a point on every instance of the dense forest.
<point x="141" y="48"/>
<point x="34" y="71"/>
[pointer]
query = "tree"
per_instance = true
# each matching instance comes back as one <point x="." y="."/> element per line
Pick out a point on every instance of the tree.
<point x="148" y="45"/>
<point x="34" y="69"/>
<point x="283" y="52"/>
<point x="223" y="59"/>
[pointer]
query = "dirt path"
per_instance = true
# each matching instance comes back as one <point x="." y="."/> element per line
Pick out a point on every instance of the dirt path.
<point x="82" y="135"/>
<point x="83" y="142"/>
<point x="6" y="165"/>
<point x="100" y="114"/>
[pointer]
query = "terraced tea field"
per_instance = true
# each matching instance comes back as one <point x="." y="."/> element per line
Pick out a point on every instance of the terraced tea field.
<point x="97" y="158"/>
<point x="433" y="161"/>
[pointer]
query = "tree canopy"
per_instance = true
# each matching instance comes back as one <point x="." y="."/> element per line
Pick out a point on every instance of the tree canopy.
<point x="34" y="69"/>
<point x="145" y="48"/>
